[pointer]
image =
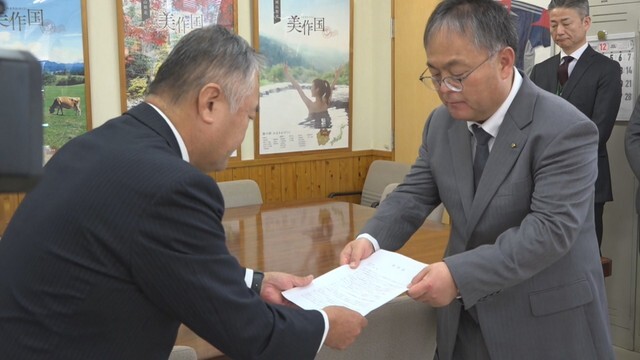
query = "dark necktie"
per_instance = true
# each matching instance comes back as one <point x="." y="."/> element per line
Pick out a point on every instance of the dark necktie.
<point x="563" y="70"/>
<point x="482" y="152"/>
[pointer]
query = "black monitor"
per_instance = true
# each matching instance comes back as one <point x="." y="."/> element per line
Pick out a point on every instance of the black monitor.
<point x="20" y="120"/>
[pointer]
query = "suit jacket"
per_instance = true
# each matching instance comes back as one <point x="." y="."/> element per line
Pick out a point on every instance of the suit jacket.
<point x="594" y="87"/>
<point x="523" y="250"/>
<point x="120" y="242"/>
<point x="632" y="146"/>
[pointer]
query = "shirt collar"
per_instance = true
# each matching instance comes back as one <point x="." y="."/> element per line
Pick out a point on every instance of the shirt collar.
<point x="183" y="148"/>
<point x="576" y="54"/>
<point x="492" y="124"/>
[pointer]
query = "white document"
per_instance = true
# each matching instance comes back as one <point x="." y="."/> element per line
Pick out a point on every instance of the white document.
<point x="379" y="278"/>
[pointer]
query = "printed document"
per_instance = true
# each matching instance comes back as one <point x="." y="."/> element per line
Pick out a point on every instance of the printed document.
<point x="379" y="278"/>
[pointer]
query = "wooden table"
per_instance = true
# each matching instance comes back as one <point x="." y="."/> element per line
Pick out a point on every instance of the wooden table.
<point x="305" y="238"/>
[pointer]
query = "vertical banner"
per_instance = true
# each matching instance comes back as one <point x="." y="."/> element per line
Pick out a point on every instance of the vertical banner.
<point x="150" y="29"/>
<point x="54" y="32"/>
<point x="305" y="88"/>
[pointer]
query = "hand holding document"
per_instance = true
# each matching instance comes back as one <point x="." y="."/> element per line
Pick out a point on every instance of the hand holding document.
<point x="379" y="278"/>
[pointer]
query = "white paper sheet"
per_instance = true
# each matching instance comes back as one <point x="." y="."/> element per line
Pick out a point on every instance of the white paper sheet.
<point x="378" y="279"/>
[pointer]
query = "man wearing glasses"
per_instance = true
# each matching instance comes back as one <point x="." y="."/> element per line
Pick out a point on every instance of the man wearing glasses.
<point x="515" y="167"/>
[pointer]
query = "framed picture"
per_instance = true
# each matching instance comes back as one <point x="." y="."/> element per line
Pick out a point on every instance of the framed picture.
<point x="148" y="30"/>
<point x="55" y="32"/>
<point x="305" y="89"/>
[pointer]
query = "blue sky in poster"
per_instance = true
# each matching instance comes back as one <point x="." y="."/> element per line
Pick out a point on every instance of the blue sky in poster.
<point x="50" y="29"/>
<point x="336" y="14"/>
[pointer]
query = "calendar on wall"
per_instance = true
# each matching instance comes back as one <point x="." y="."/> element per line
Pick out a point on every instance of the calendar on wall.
<point x="621" y="48"/>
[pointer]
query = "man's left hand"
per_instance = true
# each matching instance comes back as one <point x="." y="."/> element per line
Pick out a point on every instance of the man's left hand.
<point x="275" y="283"/>
<point x="434" y="285"/>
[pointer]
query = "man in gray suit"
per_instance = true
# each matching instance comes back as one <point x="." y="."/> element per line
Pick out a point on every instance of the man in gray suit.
<point x="632" y="146"/>
<point x="521" y="276"/>
<point x="592" y="84"/>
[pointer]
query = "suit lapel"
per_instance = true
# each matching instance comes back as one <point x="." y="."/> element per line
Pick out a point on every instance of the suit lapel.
<point x="552" y="75"/>
<point x="584" y="62"/>
<point x="463" y="167"/>
<point x="505" y="152"/>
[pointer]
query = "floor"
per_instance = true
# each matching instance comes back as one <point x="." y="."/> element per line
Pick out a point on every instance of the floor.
<point x="622" y="354"/>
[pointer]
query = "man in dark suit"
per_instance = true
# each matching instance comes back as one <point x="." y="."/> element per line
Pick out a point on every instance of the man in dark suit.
<point x="521" y="276"/>
<point x="588" y="80"/>
<point x="122" y="240"/>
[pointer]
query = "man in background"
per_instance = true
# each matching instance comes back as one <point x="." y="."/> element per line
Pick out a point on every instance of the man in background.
<point x="514" y="166"/>
<point x="588" y="80"/>
<point x="122" y="240"/>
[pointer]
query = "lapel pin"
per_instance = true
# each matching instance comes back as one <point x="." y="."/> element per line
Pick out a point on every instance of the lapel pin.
<point x="513" y="145"/>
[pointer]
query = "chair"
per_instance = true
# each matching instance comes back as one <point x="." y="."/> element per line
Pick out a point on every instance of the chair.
<point x="400" y="329"/>
<point x="180" y="352"/>
<point x="388" y="190"/>
<point x="380" y="174"/>
<point x="436" y="215"/>
<point x="240" y="193"/>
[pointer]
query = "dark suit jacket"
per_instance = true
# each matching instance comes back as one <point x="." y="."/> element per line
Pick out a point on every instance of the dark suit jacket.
<point x="523" y="250"/>
<point x="594" y="87"/>
<point x="120" y="242"/>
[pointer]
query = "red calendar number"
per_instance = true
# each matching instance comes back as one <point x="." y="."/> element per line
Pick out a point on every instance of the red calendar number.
<point x="604" y="46"/>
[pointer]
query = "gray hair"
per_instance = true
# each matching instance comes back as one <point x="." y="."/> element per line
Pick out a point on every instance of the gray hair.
<point x="486" y="22"/>
<point x="211" y="54"/>
<point x="581" y="6"/>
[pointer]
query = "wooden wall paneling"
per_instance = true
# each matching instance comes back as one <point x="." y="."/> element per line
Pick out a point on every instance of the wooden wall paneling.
<point x="288" y="181"/>
<point x="225" y="175"/>
<point x="303" y="180"/>
<point x="8" y="205"/>
<point x="257" y="174"/>
<point x="273" y="186"/>
<point x="361" y="166"/>
<point x="318" y="183"/>
<point x="332" y="176"/>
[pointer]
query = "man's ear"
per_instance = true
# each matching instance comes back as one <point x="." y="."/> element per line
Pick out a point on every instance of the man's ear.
<point x="587" y="22"/>
<point x="208" y="98"/>
<point x="507" y="58"/>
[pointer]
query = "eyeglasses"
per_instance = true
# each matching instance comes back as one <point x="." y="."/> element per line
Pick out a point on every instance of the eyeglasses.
<point x="453" y="83"/>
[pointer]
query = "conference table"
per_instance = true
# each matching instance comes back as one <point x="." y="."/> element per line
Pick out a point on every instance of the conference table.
<point x="305" y="237"/>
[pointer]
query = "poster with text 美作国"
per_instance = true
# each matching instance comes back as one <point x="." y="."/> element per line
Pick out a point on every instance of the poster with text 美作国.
<point x="305" y="89"/>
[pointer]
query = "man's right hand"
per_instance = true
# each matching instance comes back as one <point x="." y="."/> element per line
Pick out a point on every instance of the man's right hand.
<point x="354" y="251"/>
<point x="344" y="326"/>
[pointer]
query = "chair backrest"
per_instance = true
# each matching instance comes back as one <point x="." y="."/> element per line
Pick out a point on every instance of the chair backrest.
<point x="400" y="329"/>
<point x="388" y="190"/>
<point x="240" y="193"/>
<point x="380" y="174"/>
<point x="181" y="352"/>
<point x="436" y="214"/>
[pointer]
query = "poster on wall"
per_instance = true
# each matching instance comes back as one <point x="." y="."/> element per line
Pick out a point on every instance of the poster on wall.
<point x="532" y="24"/>
<point x="148" y="30"/>
<point x="54" y="31"/>
<point x="305" y="91"/>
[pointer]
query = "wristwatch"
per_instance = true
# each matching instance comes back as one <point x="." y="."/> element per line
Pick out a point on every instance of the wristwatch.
<point x="256" y="283"/>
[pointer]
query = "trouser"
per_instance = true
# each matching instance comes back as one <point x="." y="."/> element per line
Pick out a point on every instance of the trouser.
<point x="470" y="343"/>
<point x="598" y="210"/>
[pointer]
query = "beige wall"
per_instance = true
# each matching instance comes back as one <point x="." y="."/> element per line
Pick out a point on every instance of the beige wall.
<point x="371" y="69"/>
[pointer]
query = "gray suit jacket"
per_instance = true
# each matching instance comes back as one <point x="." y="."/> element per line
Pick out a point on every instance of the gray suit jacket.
<point x="594" y="87"/>
<point x="523" y="251"/>
<point x="632" y="146"/>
